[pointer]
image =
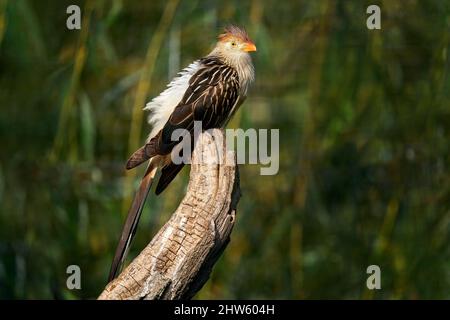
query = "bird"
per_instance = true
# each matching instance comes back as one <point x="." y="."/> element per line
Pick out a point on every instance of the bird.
<point x="209" y="90"/>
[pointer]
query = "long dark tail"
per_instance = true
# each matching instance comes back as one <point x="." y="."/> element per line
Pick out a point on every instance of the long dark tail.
<point x="131" y="223"/>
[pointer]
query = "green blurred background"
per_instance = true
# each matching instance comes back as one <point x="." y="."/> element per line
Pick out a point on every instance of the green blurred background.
<point x="364" y="119"/>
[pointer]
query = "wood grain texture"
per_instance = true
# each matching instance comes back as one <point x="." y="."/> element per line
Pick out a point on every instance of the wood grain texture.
<point x="178" y="260"/>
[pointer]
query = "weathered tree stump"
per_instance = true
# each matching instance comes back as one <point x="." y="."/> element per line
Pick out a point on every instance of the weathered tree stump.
<point x="177" y="262"/>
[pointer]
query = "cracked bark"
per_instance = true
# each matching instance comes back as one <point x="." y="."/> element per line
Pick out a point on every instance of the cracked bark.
<point x="179" y="259"/>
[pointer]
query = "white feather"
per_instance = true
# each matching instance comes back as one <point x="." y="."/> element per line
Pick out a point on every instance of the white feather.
<point x="162" y="106"/>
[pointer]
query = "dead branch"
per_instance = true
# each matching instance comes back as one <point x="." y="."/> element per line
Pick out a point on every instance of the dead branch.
<point x="177" y="262"/>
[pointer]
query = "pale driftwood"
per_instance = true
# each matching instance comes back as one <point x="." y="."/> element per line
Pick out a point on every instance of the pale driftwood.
<point x="178" y="261"/>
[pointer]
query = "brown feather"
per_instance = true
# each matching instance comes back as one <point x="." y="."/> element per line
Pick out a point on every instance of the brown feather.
<point x="137" y="158"/>
<point x="132" y="220"/>
<point x="168" y="173"/>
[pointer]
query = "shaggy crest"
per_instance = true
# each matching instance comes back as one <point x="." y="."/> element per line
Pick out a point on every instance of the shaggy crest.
<point x="234" y="31"/>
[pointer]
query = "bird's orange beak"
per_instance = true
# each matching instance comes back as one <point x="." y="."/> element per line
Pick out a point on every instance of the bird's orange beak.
<point x="249" y="47"/>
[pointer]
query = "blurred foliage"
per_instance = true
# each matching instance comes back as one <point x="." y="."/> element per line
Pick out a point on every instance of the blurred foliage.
<point x="364" y="120"/>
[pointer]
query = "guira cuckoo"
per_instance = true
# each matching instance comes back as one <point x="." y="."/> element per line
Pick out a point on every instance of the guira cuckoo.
<point x="209" y="90"/>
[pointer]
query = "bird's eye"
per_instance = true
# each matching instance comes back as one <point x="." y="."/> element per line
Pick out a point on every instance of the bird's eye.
<point x="233" y="44"/>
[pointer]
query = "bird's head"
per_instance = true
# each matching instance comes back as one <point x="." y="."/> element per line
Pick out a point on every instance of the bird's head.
<point x="235" y="41"/>
<point x="233" y="47"/>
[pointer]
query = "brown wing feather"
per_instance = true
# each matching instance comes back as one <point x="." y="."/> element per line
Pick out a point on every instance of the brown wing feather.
<point x="211" y="97"/>
<point x="138" y="157"/>
<point x="168" y="173"/>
